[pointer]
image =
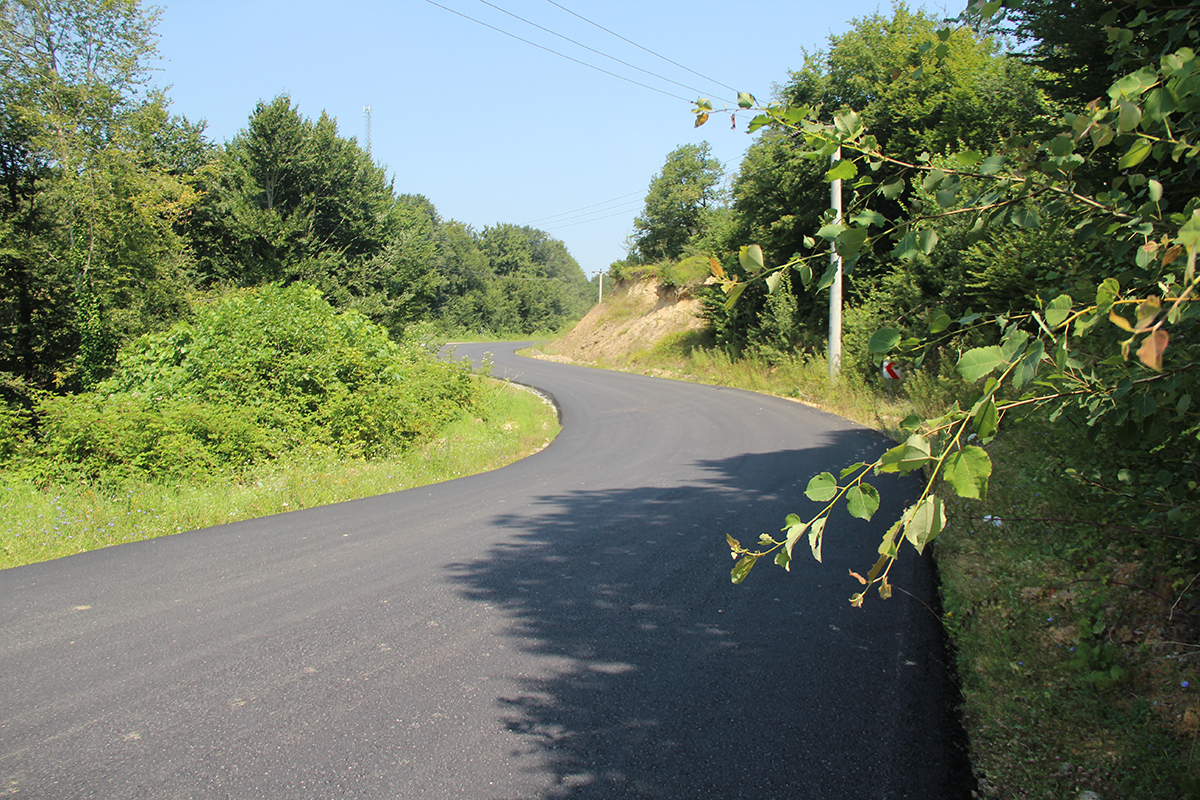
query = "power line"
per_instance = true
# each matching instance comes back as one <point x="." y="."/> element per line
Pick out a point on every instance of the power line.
<point x="585" y="208"/>
<point x="585" y="222"/>
<point x="555" y="52"/>
<point x="635" y="44"/>
<point x="594" y="50"/>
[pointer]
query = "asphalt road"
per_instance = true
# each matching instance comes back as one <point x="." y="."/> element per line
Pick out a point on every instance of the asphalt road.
<point x="564" y="627"/>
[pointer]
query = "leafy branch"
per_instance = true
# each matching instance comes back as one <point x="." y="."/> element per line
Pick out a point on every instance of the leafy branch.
<point x="1041" y="357"/>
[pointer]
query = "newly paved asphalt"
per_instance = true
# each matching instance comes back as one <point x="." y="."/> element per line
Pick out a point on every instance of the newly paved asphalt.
<point x="564" y="627"/>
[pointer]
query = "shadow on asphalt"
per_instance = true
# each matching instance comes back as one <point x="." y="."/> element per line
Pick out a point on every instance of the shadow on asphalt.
<point x="663" y="680"/>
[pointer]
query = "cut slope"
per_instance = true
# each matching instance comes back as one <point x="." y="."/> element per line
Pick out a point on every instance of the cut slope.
<point x="634" y="318"/>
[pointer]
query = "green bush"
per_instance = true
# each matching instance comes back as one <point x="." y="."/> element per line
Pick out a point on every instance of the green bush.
<point x="255" y="375"/>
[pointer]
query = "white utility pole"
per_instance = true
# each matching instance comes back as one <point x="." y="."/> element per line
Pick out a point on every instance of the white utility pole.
<point x="600" y="296"/>
<point x="835" y="289"/>
<point x="367" y="117"/>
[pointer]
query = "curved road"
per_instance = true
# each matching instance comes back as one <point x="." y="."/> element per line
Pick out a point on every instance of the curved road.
<point x="564" y="627"/>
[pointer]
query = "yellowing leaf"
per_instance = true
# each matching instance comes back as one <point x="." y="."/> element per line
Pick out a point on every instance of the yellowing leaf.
<point x="1147" y="310"/>
<point x="742" y="568"/>
<point x="1152" y="349"/>
<point x="815" y="533"/>
<point x="717" y="270"/>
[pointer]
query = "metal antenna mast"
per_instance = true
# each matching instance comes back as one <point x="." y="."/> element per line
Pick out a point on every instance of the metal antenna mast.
<point x="367" y="116"/>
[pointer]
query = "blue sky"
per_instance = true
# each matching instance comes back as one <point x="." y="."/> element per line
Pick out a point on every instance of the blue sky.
<point x="489" y="128"/>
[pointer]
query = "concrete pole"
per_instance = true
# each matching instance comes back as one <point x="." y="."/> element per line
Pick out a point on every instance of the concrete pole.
<point x="835" y="289"/>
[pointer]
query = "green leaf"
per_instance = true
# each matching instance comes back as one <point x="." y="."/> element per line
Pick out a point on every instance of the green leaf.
<point x="1189" y="233"/>
<point x="822" y="488"/>
<point x="850" y="470"/>
<point x="906" y="249"/>
<point x="883" y="340"/>
<point x="924" y="522"/>
<point x="1136" y="154"/>
<point x="892" y="189"/>
<point x="1129" y="116"/>
<point x="761" y="121"/>
<point x="742" y="568"/>
<point x="911" y="455"/>
<point x="1062" y="145"/>
<point x="844" y="170"/>
<point x="831" y="231"/>
<point x="795" y="530"/>
<point x="967" y="471"/>
<point x="862" y="501"/>
<point x="991" y="165"/>
<point x="867" y="217"/>
<point x="928" y="239"/>
<point x="1058" y="310"/>
<point x="941" y="321"/>
<point x="986" y="419"/>
<point x="746" y="100"/>
<point x="1108" y="291"/>
<point x="1025" y="218"/>
<point x="980" y="362"/>
<point x="1027" y="368"/>
<point x="933" y="180"/>
<point x="850" y="241"/>
<point x="828" y="278"/>
<point x="968" y="159"/>
<point x="773" y="281"/>
<point x="848" y="123"/>
<point x="751" y="258"/>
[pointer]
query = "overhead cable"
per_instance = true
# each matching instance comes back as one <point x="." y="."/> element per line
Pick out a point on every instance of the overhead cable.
<point x="594" y="50"/>
<point x="635" y="44"/>
<point x="585" y="208"/>
<point x="555" y="52"/>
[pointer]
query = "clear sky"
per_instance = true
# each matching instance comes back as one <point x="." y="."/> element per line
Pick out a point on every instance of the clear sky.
<point x="489" y="128"/>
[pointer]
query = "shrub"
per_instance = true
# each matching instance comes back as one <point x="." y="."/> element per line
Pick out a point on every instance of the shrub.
<point x="256" y="374"/>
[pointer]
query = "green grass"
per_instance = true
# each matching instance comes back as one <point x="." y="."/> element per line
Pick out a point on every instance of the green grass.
<point x="1075" y="674"/>
<point x="689" y="355"/>
<point x="38" y="523"/>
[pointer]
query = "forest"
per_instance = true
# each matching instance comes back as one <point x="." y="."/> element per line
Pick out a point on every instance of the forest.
<point x="140" y="262"/>
<point x="119" y="219"/>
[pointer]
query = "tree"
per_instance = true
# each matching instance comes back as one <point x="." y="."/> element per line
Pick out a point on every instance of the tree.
<point x="676" y="203"/>
<point x="286" y="190"/>
<point x="921" y="92"/>
<point x="90" y="253"/>
<point x="1122" y="360"/>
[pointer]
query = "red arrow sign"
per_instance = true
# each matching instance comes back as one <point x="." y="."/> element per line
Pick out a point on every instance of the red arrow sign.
<point x="891" y="370"/>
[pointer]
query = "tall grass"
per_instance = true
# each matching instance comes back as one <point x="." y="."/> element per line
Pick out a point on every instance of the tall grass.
<point x="38" y="523"/>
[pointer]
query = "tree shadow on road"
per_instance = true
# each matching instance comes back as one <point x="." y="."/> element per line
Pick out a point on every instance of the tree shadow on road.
<point x="663" y="680"/>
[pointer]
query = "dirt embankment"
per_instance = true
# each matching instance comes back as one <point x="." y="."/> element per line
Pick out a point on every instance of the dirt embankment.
<point x="636" y="316"/>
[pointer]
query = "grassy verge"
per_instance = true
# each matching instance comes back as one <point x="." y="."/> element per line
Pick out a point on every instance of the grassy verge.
<point x="1076" y="635"/>
<point x="1076" y="644"/>
<point x="38" y="523"/>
